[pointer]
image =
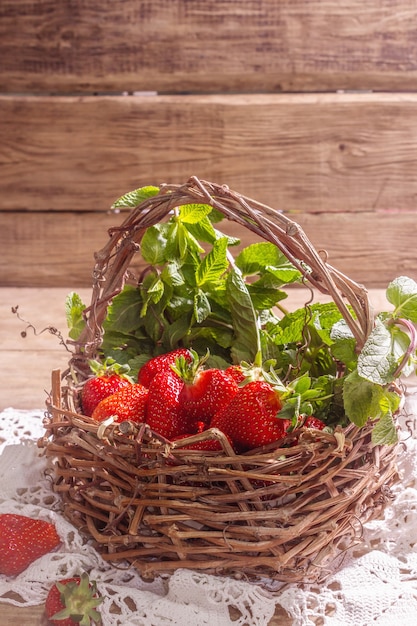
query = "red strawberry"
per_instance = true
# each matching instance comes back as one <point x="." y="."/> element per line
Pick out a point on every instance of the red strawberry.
<point x="73" y="601"/>
<point x="313" y="422"/>
<point x="236" y="372"/>
<point x="163" y="410"/>
<point x="209" y="392"/>
<point x="250" y="419"/>
<point x="108" y="378"/>
<point x="160" y="362"/>
<point x="23" y="540"/>
<point x="126" y="404"/>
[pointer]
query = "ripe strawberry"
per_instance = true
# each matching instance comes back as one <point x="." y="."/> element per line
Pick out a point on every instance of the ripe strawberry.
<point x="209" y="392"/>
<point x="250" y="419"/>
<point x="313" y="422"/>
<point x="163" y="410"/>
<point x="108" y="378"/>
<point x="126" y="404"/>
<point x="73" y="601"/>
<point x="236" y="372"/>
<point x="23" y="540"/>
<point x="160" y="362"/>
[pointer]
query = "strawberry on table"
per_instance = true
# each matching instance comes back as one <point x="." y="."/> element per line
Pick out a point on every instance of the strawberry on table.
<point x="250" y="419"/>
<point x="24" y="540"/>
<point x="73" y="601"/>
<point x="126" y="404"/>
<point x="108" y="378"/>
<point x="159" y="363"/>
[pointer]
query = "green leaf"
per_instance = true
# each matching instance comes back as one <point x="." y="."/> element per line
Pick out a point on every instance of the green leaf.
<point x="385" y="432"/>
<point x="133" y="198"/>
<point x="358" y="398"/>
<point x="321" y="317"/>
<point x="172" y="274"/>
<point x="202" y="307"/>
<point x="365" y="400"/>
<point x="376" y="362"/>
<point x="245" y="322"/>
<point x="256" y="257"/>
<point x="344" y="350"/>
<point x="204" y="231"/>
<point x="123" y="313"/>
<point x="188" y="244"/>
<point x="154" y="289"/>
<point x="193" y="213"/>
<point x="74" y="308"/>
<point x="214" y="264"/>
<point x="154" y="244"/>
<point x="175" y="332"/>
<point x="402" y="293"/>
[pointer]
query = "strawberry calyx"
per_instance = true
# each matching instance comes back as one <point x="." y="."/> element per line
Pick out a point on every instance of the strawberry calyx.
<point x="79" y="598"/>
<point x="108" y="367"/>
<point x="189" y="369"/>
<point x="261" y="370"/>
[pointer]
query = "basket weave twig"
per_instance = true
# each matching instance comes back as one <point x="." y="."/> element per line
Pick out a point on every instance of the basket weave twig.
<point x="281" y="513"/>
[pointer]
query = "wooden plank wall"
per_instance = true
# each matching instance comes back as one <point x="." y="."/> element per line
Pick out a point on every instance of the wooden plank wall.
<point x="306" y="105"/>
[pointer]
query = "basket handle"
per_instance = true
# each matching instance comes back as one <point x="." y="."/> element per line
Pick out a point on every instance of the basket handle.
<point x="113" y="260"/>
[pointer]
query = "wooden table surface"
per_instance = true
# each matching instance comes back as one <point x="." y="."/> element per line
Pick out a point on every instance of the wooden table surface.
<point x="30" y="360"/>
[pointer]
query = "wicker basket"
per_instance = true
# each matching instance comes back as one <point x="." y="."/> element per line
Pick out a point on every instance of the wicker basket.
<point x="286" y="514"/>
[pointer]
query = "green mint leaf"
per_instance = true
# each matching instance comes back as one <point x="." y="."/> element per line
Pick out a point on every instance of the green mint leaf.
<point x="358" y="398"/>
<point x="344" y="350"/>
<point x="264" y="297"/>
<point x="175" y="332"/>
<point x="385" y="432"/>
<point x="172" y="274"/>
<point x="255" y="257"/>
<point x="216" y="216"/>
<point x="124" y="311"/>
<point x="202" y="307"/>
<point x="154" y="244"/>
<point x="204" y="231"/>
<point x="340" y="331"/>
<point x="402" y="293"/>
<point x="153" y="292"/>
<point x="193" y="213"/>
<point x="124" y="346"/>
<point x="214" y="264"/>
<point x="131" y="199"/>
<point x="74" y="308"/>
<point x="188" y="244"/>
<point x="245" y="322"/>
<point x="211" y="336"/>
<point x="365" y="400"/>
<point x="301" y="384"/>
<point x="376" y="361"/>
<point x="258" y="258"/>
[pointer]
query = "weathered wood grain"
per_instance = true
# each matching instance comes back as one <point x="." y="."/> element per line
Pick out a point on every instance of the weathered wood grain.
<point x="298" y="152"/>
<point x="56" y="249"/>
<point x="176" y="46"/>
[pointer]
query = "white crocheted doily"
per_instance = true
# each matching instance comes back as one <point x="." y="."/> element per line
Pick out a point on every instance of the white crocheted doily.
<point x="377" y="586"/>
